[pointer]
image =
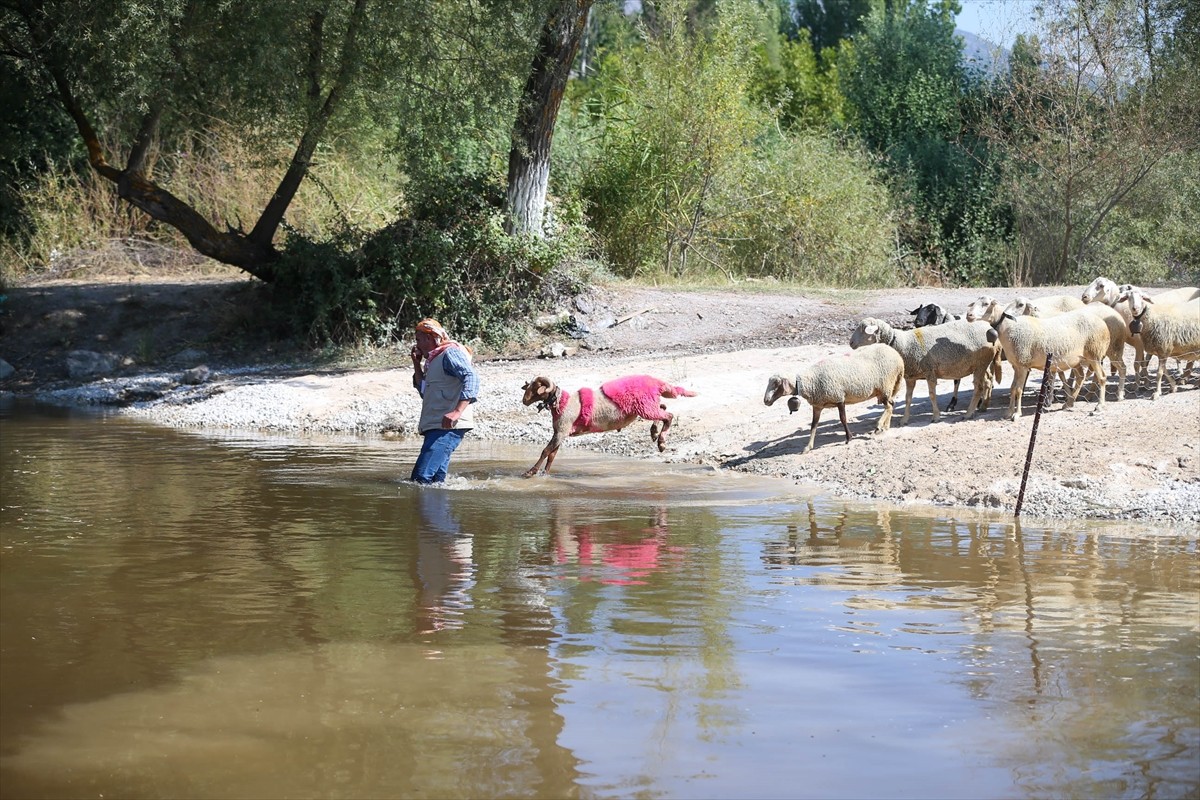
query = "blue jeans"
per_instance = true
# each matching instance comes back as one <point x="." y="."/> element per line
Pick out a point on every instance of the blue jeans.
<point x="435" y="454"/>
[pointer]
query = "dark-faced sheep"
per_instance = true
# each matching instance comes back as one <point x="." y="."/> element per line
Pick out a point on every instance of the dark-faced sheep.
<point x="610" y="408"/>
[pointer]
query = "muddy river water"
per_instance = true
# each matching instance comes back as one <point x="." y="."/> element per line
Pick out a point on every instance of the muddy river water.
<point x="224" y="615"/>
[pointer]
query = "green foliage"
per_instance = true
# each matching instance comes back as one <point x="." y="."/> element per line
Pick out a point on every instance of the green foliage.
<point x="1154" y="238"/>
<point x="830" y="22"/>
<point x="677" y="127"/>
<point x="904" y="84"/>
<point x="903" y="76"/>
<point x="35" y="137"/>
<point x="813" y="212"/>
<point x="799" y="84"/>
<point x="449" y="259"/>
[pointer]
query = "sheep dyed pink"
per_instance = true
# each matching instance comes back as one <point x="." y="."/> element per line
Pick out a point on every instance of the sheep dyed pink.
<point x="616" y="404"/>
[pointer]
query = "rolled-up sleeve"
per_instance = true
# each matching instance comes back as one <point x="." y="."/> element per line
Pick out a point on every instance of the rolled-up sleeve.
<point x="456" y="363"/>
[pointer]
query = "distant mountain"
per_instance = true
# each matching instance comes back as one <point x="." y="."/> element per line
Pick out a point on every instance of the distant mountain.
<point x="980" y="54"/>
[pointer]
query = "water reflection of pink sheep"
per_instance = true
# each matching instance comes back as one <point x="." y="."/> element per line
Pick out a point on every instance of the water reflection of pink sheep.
<point x="633" y="560"/>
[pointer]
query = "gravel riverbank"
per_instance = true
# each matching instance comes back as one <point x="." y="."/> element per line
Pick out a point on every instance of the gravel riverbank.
<point x="1138" y="459"/>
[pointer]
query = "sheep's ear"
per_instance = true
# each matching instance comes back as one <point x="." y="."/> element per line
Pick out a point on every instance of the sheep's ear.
<point x="871" y="330"/>
<point x="525" y="386"/>
<point x="915" y="310"/>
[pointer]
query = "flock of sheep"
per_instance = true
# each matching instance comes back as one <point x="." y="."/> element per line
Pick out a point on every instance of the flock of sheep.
<point x="1076" y="333"/>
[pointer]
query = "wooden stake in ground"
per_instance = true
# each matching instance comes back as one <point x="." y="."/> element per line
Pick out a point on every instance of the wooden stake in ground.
<point x="1047" y="380"/>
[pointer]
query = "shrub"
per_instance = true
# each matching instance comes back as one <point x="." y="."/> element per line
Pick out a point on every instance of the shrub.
<point x="448" y="258"/>
<point x="814" y="212"/>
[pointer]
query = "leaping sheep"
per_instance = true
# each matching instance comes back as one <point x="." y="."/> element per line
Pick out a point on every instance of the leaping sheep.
<point x="610" y="408"/>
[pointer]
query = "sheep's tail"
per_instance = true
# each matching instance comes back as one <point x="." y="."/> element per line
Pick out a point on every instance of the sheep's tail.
<point x="675" y="391"/>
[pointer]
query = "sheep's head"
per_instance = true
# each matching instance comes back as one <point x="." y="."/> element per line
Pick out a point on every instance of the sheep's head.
<point x="929" y="314"/>
<point x="777" y="387"/>
<point x="1023" y="307"/>
<point x="869" y="331"/>
<point x="1102" y="290"/>
<point x="985" y="307"/>
<point x="1138" y="301"/>
<point x="537" y="390"/>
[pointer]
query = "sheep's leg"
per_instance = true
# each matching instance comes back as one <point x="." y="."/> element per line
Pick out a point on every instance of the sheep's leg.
<point x="812" y="434"/>
<point x="1080" y="374"/>
<point x="1101" y="379"/>
<point x="932" y="384"/>
<point x="953" y="404"/>
<point x="889" y="407"/>
<point x="1071" y="391"/>
<point x="548" y="454"/>
<point x="1020" y="376"/>
<point x="662" y="437"/>
<point x="909" y="385"/>
<point x="845" y="425"/>
<point x="1117" y="363"/>
<point x="654" y="425"/>
<point x="1162" y="370"/>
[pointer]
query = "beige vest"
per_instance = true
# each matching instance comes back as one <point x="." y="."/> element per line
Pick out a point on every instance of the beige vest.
<point x="442" y="393"/>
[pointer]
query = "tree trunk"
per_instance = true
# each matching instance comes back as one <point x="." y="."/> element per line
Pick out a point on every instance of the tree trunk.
<point x="529" y="158"/>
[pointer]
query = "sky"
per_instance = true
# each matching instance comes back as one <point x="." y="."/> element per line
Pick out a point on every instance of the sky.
<point x="998" y="21"/>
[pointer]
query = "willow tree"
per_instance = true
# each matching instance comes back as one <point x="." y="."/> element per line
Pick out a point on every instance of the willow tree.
<point x="133" y="73"/>
<point x="122" y="70"/>
<point x="1088" y="112"/>
<point x="529" y="158"/>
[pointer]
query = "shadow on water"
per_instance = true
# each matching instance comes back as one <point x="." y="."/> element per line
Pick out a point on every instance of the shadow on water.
<point x="216" y="615"/>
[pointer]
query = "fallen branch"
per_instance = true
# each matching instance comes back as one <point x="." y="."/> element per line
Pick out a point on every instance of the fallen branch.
<point x="628" y="317"/>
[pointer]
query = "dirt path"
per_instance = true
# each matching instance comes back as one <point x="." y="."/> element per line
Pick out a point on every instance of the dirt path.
<point x="1137" y="459"/>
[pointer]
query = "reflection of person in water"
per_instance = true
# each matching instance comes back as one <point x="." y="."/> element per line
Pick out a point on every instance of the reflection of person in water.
<point x="444" y="566"/>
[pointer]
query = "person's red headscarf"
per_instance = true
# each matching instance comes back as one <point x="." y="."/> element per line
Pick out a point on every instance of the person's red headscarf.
<point x="434" y="328"/>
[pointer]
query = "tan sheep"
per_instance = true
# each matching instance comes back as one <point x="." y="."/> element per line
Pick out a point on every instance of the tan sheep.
<point x="870" y="372"/>
<point x="1074" y="338"/>
<point x="952" y="351"/>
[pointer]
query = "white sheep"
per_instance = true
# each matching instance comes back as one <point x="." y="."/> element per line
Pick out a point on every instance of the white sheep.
<point x="934" y="314"/>
<point x="1183" y="294"/>
<point x="1102" y="290"/>
<point x="1074" y="338"/>
<point x="952" y="351"/>
<point x="1106" y="291"/>
<point x="874" y="371"/>
<point x="1168" y="330"/>
<point x="985" y="307"/>
<point x="989" y="309"/>
<point x="1118" y="333"/>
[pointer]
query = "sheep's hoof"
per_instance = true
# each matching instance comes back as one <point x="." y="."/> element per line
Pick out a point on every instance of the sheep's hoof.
<point x="662" y="445"/>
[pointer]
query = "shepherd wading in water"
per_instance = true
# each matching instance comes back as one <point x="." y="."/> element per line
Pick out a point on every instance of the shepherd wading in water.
<point x="449" y="387"/>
